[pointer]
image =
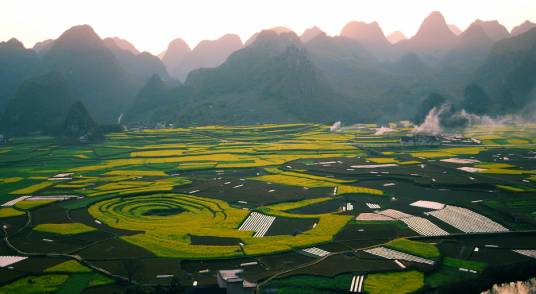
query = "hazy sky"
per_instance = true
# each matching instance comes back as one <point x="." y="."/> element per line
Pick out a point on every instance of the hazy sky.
<point x="150" y="25"/>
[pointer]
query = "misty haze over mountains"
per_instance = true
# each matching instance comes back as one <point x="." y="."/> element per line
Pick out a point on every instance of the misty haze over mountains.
<point x="275" y="76"/>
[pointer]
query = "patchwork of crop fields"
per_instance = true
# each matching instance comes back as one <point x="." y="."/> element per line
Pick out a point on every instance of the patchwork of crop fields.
<point x="296" y="207"/>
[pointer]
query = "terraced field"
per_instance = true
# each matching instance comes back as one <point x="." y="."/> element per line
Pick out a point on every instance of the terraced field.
<point x="174" y="206"/>
<point x="168" y="235"/>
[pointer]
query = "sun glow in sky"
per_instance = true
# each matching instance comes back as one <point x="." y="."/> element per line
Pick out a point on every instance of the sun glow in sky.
<point x="151" y="25"/>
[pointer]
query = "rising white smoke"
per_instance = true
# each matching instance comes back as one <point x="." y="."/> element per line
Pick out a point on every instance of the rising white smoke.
<point x="431" y="124"/>
<point x="335" y="127"/>
<point x="519" y="287"/>
<point x="383" y="130"/>
<point x="443" y="120"/>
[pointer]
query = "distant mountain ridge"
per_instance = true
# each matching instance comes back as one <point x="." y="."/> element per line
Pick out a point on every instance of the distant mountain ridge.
<point x="274" y="74"/>
<point x="180" y="59"/>
<point x="122" y="44"/>
<point x="40" y="104"/>
<point x="16" y="65"/>
<point x="85" y="61"/>
<point x="278" y="30"/>
<point x="493" y="29"/>
<point x="43" y="46"/>
<point x="396" y="37"/>
<point x="98" y="72"/>
<point x="174" y="56"/>
<point x="367" y="33"/>
<point x="509" y="73"/>
<point x="277" y="76"/>
<point x="79" y="127"/>
<point x="434" y="38"/>
<point x="152" y="103"/>
<point x="141" y="65"/>
<point x="370" y="35"/>
<point x="523" y="28"/>
<point x="455" y="29"/>
<point x="310" y="34"/>
<point x="471" y="49"/>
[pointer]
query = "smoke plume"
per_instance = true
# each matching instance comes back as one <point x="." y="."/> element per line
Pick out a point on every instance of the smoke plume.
<point x="336" y="126"/>
<point x="383" y="130"/>
<point x="525" y="287"/>
<point x="447" y="120"/>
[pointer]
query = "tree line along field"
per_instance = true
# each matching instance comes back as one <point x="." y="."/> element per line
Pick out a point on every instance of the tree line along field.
<point x="295" y="206"/>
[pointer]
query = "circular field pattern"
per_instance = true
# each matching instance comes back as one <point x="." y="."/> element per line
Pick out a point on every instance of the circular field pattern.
<point x="146" y="209"/>
<point x="169" y="234"/>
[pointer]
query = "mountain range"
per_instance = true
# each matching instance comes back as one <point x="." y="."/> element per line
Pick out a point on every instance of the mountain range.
<point x="179" y="59"/>
<point x="275" y="76"/>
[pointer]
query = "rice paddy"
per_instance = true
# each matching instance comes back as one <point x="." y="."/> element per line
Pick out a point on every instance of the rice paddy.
<point x="403" y="282"/>
<point x="422" y="249"/>
<point x="70" y="266"/>
<point x="347" y="189"/>
<point x="31" y="204"/>
<point x="64" y="229"/>
<point x="35" y="284"/>
<point x="300" y="180"/>
<point x="10" y="212"/>
<point x="294" y="206"/>
<point x="170" y="235"/>
<point x="464" y="264"/>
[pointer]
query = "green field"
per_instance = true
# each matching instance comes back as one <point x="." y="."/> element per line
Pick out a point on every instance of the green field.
<point x="416" y="248"/>
<point x="399" y="282"/>
<point x="64" y="229"/>
<point x="167" y="206"/>
<point x="35" y="284"/>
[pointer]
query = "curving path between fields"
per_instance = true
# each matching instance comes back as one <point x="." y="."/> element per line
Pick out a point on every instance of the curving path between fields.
<point x="258" y="289"/>
<point x="67" y="255"/>
<point x="259" y="285"/>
